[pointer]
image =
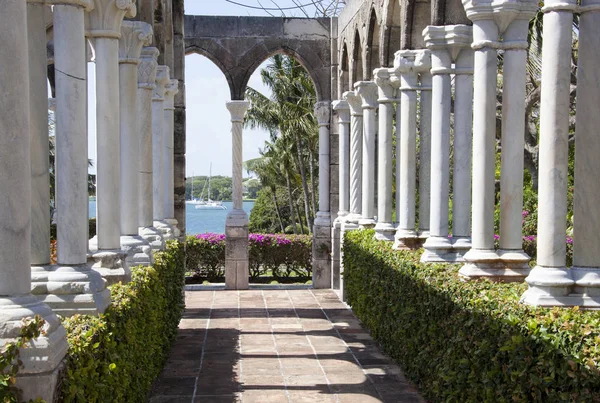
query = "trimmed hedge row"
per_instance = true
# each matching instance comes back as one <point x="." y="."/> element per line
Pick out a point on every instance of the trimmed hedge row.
<point x="115" y="357"/>
<point x="281" y="256"/>
<point x="469" y="341"/>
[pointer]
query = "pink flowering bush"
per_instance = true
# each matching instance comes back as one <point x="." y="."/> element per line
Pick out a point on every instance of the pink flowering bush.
<point x="277" y="255"/>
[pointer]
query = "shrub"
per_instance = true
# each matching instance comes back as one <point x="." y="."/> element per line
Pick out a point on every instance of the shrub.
<point x="276" y="254"/>
<point x="115" y="357"/>
<point x="469" y="341"/>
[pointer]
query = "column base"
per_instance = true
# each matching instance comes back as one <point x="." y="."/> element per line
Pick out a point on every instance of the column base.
<point x="70" y="289"/>
<point x="165" y="229"/>
<point x="385" y="231"/>
<point x="482" y="263"/>
<point x="138" y="250"/>
<point x="110" y="263"/>
<point x="321" y="265"/>
<point x="351" y="223"/>
<point x="323" y="219"/>
<point x="173" y="223"/>
<point x="587" y="281"/>
<point x="407" y="240"/>
<point x="440" y="249"/>
<point x="153" y="236"/>
<point x="42" y="359"/>
<point x="237" y="272"/>
<point x="367" y="223"/>
<point x="550" y="286"/>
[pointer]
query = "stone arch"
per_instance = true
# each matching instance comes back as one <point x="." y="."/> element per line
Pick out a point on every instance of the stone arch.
<point x="344" y="78"/>
<point x="390" y="32"/>
<point x="356" y="66"/>
<point x="238" y="45"/>
<point x="372" y="45"/>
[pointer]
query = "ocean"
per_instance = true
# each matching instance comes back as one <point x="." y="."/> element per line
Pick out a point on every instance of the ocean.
<point x="199" y="221"/>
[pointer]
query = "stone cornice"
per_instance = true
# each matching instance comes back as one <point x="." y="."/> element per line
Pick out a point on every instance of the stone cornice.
<point x="367" y="90"/>
<point x="104" y="21"/>
<point x="134" y="36"/>
<point x="162" y="79"/>
<point x="147" y="68"/>
<point x="87" y="5"/>
<point x="343" y="110"/>
<point x="237" y="109"/>
<point x="322" y="112"/>
<point x="387" y="91"/>
<point x="354" y="102"/>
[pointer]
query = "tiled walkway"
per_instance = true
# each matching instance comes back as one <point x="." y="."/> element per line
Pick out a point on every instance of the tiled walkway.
<point x="271" y="346"/>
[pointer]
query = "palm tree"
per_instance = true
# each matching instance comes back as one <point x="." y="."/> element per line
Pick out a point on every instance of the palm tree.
<point x="287" y="114"/>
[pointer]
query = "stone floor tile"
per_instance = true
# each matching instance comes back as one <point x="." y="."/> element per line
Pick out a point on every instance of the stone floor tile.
<point x="311" y="396"/>
<point x="218" y="399"/>
<point x="265" y="396"/>
<point x="171" y="399"/>
<point x="168" y="385"/>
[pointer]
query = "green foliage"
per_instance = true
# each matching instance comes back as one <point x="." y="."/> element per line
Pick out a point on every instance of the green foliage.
<point x="263" y="217"/>
<point x="115" y="357"/>
<point x="281" y="256"/>
<point x="91" y="229"/>
<point x="10" y="363"/>
<point x="469" y="341"/>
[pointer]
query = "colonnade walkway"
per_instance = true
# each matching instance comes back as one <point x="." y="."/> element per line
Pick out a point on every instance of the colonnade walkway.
<point x="271" y="346"/>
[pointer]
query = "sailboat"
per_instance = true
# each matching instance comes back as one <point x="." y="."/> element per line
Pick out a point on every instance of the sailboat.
<point x="209" y="204"/>
<point x="193" y="200"/>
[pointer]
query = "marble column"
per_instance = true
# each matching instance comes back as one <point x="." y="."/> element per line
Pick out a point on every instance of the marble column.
<point x="356" y="142"/>
<point x="236" y="222"/>
<point x="146" y="85"/>
<point x="490" y="21"/>
<point x="446" y="44"/>
<point x="550" y="282"/>
<point x="70" y="286"/>
<point x="158" y="152"/>
<point x="171" y="90"/>
<point x="104" y="27"/>
<point x="321" y="273"/>
<point x="408" y="64"/>
<point x="38" y="119"/>
<point x="41" y="361"/>
<point x="367" y="90"/>
<point x="342" y="109"/>
<point x="134" y="35"/>
<point x="424" y="151"/>
<point x="385" y="229"/>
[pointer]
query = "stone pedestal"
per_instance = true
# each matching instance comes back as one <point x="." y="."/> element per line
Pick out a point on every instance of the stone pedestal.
<point x="236" y="224"/>
<point x="43" y="358"/>
<point x="447" y="45"/>
<point x="367" y="90"/>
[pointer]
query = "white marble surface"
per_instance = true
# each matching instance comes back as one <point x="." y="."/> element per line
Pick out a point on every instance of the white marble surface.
<point x="158" y="144"/>
<point x="367" y="90"/>
<point x="343" y="114"/>
<point x="356" y="134"/>
<point x="322" y="113"/>
<point x="170" y="91"/>
<point x="237" y="109"/>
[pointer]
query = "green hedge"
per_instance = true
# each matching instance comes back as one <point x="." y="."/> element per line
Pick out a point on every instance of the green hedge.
<point x="469" y="341"/>
<point x="115" y="357"/>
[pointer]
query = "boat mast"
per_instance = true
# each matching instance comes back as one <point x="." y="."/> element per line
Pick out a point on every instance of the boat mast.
<point x="209" y="175"/>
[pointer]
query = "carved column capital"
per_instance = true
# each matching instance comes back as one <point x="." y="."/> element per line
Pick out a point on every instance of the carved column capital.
<point x="502" y="12"/>
<point x="104" y="20"/>
<point x="383" y="79"/>
<point x="343" y="110"/>
<point x="322" y="112"/>
<point x="354" y="102"/>
<point x="134" y="36"/>
<point x="237" y="109"/>
<point x="446" y="42"/>
<point x="408" y="65"/>
<point x="367" y="90"/>
<point x="162" y="79"/>
<point x="147" y="68"/>
<point x="171" y="89"/>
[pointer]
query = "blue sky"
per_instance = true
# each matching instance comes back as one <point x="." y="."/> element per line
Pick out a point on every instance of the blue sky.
<point x="208" y="124"/>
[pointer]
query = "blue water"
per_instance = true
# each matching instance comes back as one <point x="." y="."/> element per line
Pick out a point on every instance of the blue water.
<point x="199" y="221"/>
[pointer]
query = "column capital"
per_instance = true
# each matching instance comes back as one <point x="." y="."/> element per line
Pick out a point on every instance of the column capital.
<point x="147" y="68"/>
<point x="367" y="90"/>
<point x="104" y="20"/>
<point x="322" y="112"/>
<point x="383" y="80"/>
<point x="447" y="38"/>
<point x="87" y="5"/>
<point x="237" y="109"/>
<point x="412" y="61"/>
<point x="502" y="12"/>
<point x="171" y="89"/>
<point x="343" y="110"/>
<point x="162" y="79"/>
<point x="354" y="102"/>
<point x="134" y="36"/>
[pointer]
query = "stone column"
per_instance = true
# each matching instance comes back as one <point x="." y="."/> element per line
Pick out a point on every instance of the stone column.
<point x="236" y="223"/>
<point x="321" y="274"/>
<point x="104" y="27"/>
<point x="424" y="151"/>
<point x="42" y="359"/>
<point x="146" y="85"/>
<point x="70" y="286"/>
<point x="490" y="21"/>
<point x="550" y="281"/>
<point x="367" y="90"/>
<point x="356" y="141"/>
<point x="408" y="64"/>
<point x="134" y="35"/>
<point x="446" y="44"/>
<point x="158" y="152"/>
<point x="343" y="114"/>
<point x="38" y="119"/>
<point x="385" y="230"/>
<point x="170" y="91"/>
